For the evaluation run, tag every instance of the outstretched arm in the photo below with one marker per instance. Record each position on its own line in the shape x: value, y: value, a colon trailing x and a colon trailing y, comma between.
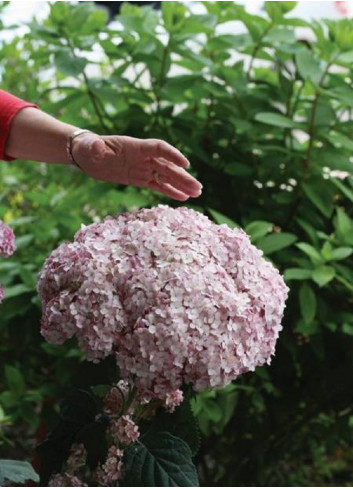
x: 35, y: 135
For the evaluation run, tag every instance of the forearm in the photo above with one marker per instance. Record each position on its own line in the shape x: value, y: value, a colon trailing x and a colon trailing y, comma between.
x: 37, y: 136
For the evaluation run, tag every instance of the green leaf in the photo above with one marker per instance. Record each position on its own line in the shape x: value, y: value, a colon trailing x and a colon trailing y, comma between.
x: 340, y: 139
x: 308, y: 66
x: 15, y: 380
x: 181, y: 423
x: 311, y: 252
x: 343, y: 188
x: 16, y: 471
x: 297, y: 274
x: 238, y: 169
x: 16, y: 290
x: 159, y: 460
x: 221, y: 218
x: 258, y: 229
x: 307, y: 328
x: 343, y: 226
x: 323, y: 275
x: 347, y: 329
x: 275, y: 119
x: 319, y: 196
x: 341, y: 253
x: 173, y: 14
x: 276, y: 10
x: 346, y: 57
x: 307, y: 302
x: 275, y: 242
x: 69, y: 64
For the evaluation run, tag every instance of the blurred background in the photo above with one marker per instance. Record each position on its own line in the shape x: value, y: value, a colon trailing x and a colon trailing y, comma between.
x: 259, y: 96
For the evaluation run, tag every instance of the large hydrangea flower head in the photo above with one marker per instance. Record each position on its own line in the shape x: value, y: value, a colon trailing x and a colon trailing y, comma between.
x: 177, y: 298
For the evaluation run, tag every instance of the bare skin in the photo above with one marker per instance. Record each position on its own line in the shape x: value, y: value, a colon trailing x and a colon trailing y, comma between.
x: 37, y: 136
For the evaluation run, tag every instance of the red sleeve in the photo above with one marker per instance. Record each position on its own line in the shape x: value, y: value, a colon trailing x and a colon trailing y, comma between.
x: 9, y: 106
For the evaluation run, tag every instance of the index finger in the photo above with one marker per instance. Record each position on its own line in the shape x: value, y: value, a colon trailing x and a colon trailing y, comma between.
x: 157, y: 148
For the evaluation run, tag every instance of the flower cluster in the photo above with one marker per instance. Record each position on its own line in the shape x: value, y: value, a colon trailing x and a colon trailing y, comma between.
x: 177, y: 298
x: 7, y: 241
x: 113, y: 468
x: 124, y: 430
x: 66, y: 480
x: 7, y: 246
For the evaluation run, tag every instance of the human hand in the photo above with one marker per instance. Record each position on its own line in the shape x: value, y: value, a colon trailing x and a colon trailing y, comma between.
x: 132, y: 161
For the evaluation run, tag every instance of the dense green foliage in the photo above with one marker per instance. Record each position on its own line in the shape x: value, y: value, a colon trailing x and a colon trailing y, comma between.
x: 264, y: 118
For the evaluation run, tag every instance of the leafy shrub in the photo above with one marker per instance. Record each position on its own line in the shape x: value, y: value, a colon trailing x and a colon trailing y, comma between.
x: 266, y: 121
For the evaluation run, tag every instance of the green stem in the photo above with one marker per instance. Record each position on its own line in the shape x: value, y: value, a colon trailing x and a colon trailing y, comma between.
x: 90, y: 93
x: 256, y: 48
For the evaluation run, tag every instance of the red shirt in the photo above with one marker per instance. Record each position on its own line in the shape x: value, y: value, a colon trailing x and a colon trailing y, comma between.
x: 9, y: 106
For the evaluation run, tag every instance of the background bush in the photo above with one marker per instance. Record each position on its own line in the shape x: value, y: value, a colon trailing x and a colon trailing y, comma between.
x: 264, y: 119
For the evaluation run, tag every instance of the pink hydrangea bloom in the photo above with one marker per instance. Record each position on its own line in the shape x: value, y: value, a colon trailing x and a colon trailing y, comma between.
x: 124, y: 430
x: 65, y: 480
x: 173, y: 400
x: 113, y: 468
x: 7, y: 246
x: 177, y: 298
x: 7, y: 241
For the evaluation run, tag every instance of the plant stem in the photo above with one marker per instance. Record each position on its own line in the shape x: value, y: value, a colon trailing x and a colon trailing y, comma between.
x: 256, y: 48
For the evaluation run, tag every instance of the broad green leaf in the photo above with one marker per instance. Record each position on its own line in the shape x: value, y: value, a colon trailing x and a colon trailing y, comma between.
x: 258, y: 229
x: 221, y: 218
x: 307, y: 302
x: 320, y: 197
x: 341, y: 253
x: 16, y: 471
x: 181, y: 423
x: 343, y: 188
x: 159, y: 460
x: 297, y: 274
x: 346, y: 57
x: 16, y: 290
x: 276, y: 10
x: 311, y: 252
x: 308, y: 66
x: 24, y: 240
x: 173, y: 14
x: 15, y: 380
x: 69, y: 64
x: 307, y: 329
x: 347, y: 329
x: 275, y: 242
x: 238, y: 169
x: 275, y: 119
x: 323, y: 275
x: 341, y: 140
x: 326, y: 250
x: 343, y: 226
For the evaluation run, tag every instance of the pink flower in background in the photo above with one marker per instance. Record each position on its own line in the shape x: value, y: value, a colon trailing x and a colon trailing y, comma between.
x: 7, y: 241
x: 113, y: 468
x: 177, y: 298
x: 65, y: 480
x: 7, y: 246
